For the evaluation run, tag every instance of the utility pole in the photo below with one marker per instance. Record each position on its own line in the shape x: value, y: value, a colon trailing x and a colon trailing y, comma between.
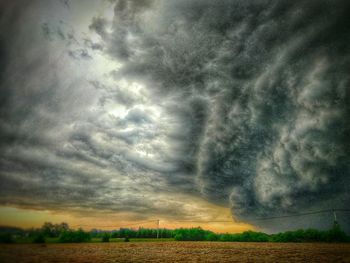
x: 157, y: 228
x: 335, y: 216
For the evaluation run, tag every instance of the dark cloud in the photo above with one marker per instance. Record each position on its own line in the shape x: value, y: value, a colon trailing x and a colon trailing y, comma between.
x: 245, y: 103
x: 275, y: 78
x: 98, y: 25
x: 65, y: 3
x: 79, y: 54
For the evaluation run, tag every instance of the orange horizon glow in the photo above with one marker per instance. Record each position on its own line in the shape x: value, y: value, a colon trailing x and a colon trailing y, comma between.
x: 29, y: 218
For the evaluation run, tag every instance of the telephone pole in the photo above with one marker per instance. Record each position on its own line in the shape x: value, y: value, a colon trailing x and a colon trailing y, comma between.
x: 157, y: 228
x: 335, y: 216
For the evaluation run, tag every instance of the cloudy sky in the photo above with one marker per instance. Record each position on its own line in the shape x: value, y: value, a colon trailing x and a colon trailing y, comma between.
x: 120, y: 111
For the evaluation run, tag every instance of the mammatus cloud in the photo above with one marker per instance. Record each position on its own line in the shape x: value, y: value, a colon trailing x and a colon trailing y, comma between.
x: 245, y: 103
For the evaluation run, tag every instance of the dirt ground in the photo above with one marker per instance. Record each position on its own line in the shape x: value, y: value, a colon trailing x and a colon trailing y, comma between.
x: 175, y: 252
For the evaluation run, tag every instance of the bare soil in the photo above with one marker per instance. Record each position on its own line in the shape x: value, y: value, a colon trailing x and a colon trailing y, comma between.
x: 175, y: 252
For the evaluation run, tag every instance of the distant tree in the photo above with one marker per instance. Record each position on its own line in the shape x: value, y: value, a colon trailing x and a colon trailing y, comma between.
x: 6, y: 238
x: 39, y: 239
x: 53, y: 230
x: 48, y: 229
x: 115, y: 234
x: 105, y: 237
x: 212, y: 237
x: 59, y: 228
x: 71, y: 236
x: 94, y: 232
x: 191, y: 234
x: 336, y: 234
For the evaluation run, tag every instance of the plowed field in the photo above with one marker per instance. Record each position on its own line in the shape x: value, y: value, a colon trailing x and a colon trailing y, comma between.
x: 175, y: 252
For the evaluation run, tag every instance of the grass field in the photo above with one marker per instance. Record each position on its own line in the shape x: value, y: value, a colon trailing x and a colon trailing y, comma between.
x: 175, y: 252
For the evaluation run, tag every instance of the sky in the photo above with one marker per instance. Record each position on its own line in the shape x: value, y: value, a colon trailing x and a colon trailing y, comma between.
x: 194, y: 112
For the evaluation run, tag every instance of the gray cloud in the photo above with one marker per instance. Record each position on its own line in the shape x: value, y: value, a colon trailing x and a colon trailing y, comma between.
x: 275, y: 78
x: 99, y: 25
x: 245, y: 103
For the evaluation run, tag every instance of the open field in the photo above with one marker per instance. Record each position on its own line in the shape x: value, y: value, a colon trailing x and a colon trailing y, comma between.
x: 176, y: 252
x: 55, y: 240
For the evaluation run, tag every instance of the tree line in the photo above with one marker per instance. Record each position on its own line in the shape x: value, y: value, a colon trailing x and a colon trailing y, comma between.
x: 64, y: 234
x: 335, y: 234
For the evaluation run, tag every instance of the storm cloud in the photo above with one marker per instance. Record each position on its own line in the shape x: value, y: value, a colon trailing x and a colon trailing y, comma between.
x: 243, y: 103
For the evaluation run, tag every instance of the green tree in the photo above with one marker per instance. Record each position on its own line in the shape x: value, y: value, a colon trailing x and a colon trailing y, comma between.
x: 77, y: 236
x: 191, y: 234
x: 105, y: 237
x: 39, y: 239
x: 6, y: 238
x: 336, y: 234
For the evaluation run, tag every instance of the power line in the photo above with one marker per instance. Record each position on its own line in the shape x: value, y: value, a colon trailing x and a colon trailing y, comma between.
x: 302, y: 214
x: 273, y: 217
x: 342, y: 210
x: 225, y: 221
x: 294, y: 215
x: 138, y: 223
x: 201, y: 221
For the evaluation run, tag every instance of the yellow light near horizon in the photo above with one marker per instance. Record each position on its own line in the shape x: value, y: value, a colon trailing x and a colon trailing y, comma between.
x: 27, y: 218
